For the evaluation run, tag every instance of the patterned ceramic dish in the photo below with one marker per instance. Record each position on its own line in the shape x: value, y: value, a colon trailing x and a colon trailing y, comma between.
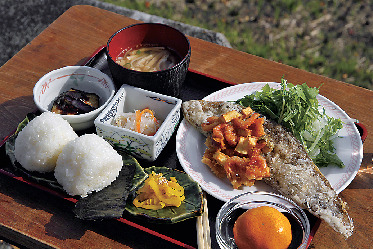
x: 129, y: 99
x: 83, y: 78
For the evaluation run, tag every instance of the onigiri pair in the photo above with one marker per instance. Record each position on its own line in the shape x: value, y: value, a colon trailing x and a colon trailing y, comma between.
x: 81, y: 165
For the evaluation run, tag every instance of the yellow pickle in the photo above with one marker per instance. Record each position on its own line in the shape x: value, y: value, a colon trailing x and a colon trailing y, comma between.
x: 158, y: 192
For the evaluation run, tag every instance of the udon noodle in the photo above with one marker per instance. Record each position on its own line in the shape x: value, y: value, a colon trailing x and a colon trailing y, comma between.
x: 148, y: 59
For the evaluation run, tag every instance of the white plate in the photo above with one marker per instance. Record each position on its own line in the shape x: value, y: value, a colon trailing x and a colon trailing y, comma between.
x: 190, y: 147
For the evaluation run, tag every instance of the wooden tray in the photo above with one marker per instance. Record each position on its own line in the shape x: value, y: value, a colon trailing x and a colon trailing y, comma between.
x: 165, y: 235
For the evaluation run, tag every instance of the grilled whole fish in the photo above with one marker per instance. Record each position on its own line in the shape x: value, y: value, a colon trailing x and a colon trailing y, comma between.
x: 293, y: 172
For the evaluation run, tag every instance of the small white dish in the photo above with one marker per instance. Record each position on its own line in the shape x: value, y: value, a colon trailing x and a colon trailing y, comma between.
x: 83, y: 78
x: 129, y: 99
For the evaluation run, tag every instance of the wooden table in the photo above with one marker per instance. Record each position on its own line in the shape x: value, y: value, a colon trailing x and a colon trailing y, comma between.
x: 31, y: 218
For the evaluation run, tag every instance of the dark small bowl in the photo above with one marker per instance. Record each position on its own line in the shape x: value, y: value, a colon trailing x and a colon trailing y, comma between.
x: 168, y: 81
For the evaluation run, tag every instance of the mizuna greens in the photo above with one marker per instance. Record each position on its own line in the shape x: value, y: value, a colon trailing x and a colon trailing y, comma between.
x: 296, y: 108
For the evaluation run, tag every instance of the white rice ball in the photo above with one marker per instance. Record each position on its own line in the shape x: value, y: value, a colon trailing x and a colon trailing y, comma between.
x: 38, y: 145
x: 87, y: 164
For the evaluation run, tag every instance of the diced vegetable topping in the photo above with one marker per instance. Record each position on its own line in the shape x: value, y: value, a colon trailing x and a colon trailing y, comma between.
x: 235, y: 147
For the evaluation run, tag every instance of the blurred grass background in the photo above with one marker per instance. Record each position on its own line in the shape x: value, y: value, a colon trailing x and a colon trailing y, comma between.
x: 330, y: 38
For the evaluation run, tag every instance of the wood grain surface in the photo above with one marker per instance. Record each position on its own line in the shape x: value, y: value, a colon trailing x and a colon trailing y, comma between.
x: 38, y: 220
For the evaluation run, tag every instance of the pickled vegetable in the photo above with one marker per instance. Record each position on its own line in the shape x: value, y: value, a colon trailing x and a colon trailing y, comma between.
x: 141, y: 121
x: 158, y: 192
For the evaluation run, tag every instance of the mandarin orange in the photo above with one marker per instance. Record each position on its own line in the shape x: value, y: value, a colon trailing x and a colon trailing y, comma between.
x: 262, y: 227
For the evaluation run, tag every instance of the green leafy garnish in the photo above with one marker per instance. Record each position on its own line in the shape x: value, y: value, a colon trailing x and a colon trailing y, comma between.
x: 296, y: 108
